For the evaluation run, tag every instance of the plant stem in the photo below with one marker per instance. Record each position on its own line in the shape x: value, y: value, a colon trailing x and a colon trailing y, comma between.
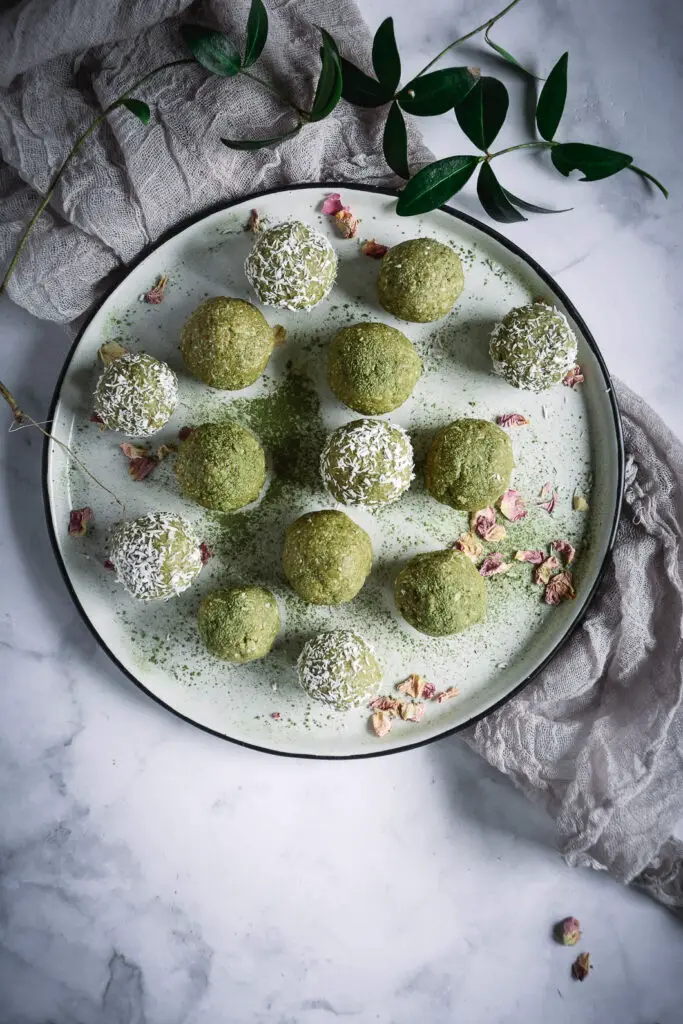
x: 70, y: 155
x: 521, y: 145
x: 24, y: 418
x: 275, y: 92
x: 481, y: 28
x: 650, y: 177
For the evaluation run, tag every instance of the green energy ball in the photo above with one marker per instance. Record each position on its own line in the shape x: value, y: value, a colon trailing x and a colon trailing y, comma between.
x: 440, y: 593
x: 420, y: 280
x: 326, y: 557
x: 227, y: 343
x: 367, y: 462
x: 221, y: 466
x: 136, y: 394
x: 469, y: 464
x: 239, y: 623
x: 533, y: 347
x: 340, y: 669
x: 372, y: 368
x: 291, y: 265
x: 156, y: 556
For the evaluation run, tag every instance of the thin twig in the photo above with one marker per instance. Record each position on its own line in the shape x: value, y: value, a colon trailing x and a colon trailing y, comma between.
x: 486, y: 25
x: 522, y: 145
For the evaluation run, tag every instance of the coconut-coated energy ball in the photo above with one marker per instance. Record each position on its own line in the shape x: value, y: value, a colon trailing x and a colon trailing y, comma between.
x: 533, y: 347
x: 326, y: 557
x: 367, y: 462
x: 156, y: 556
x: 420, y: 280
x: 239, y: 624
x: 226, y: 343
x: 372, y: 368
x: 136, y: 394
x: 440, y: 593
x: 291, y: 265
x: 469, y: 464
x: 340, y: 669
x: 221, y: 466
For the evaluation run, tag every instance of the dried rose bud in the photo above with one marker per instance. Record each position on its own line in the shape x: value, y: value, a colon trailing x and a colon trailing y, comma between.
x: 581, y: 966
x: 254, y: 222
x: 574, y: 377
x: 347, y: 224
x: 206, y: 552
x: 78, y: 521
x: 156, y: 294
x: 375, y: 250
x: 568, y: 932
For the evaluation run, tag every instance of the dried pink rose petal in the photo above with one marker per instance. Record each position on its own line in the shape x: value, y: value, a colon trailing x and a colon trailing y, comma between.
x: 279, y: 335
x: 156, y: 294
x: 184, y: 433
x: 346, y: 223
x: 381, y: 723
x: 411, y: 711
x: 134, y: 451
x: 493, y: 565
x: 452, y: 691
x: 140, y: 462
x: 545, y: 570
x: 164, y: 450
x: 108, y: 564
x: 110, y: 351
x: 568, y: 932
x: 581, y: 966
x: 574, y: 377
x: 548, y: 497
x: 254, y: 222
x: 535, y: 557
x: 512, y: 506
x: 94, y: 418
x: 468, y: 544
x: 332, y: 204
x: 483, y: 523
x: 375, y: 250
x: 560, y: 588
x: 565, y: 550
x: 417, y: 687
x: 78, y: 521
x: 206, y: 552
x: 385, y: 703
x: 546, y: 490
x: 512, y: 419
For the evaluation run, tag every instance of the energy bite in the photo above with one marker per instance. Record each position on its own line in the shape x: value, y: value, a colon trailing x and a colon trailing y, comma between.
x: 469, y: 464
x: 440, y: 593
x: 420, y: 280
x: 367, y: 462
x: 136, y: 394
x: 340, y: 669
x: 239, y: 624
x: 533, y: 347
x: 156, y: 556
x: 372, y: 368
x: 226, y: 343
x: 221, y: 466
x: 326, y: 557
x: 291, y: 265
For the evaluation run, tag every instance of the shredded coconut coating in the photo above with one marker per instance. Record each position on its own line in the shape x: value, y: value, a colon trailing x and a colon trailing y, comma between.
x: 136, y: 394
x: 340, y: 669
x: 156, y: 556
x: 367, y: 462
x: 533, y: 347
x: 291, y: 265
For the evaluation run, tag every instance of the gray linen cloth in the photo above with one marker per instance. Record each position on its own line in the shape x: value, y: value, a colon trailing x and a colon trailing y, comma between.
x: 598, y: 737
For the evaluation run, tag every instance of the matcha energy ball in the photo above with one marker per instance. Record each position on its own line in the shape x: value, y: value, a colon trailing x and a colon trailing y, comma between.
x: 372, y: 368
x: 136, y: 394
x: 326, y: 557
x: 340, y: 669
x: 440, y: 593
x: 420, y: 280
x: 367, y: 462
x: 533, y: 347
x: 239, y: 623
x: 291, y: 265
x: 226, y: 343
x: 221, y: 466
x: 469, y: 464
x: 156, y: 556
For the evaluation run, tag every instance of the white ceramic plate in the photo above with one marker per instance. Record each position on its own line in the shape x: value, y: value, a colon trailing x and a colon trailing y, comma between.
x: 574, y: 441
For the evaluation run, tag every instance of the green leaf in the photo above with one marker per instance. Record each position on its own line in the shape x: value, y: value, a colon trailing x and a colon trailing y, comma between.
x: 506, y: 56
x: 213, y: 50
x: 482, y: 112
x: 385, y: 58
x: 257, y: 33
x: 435, y: 184
x: 594, y: 161
x: 651, y: 178
x: 437, y: 92
x: 492, y: 197
x: 550, y: 106
x: 395, y: 142
x: 329, y: 88
x: 361, y: 90
x: 247, y: 144
x: 137, y: 107
x: 524, y: 205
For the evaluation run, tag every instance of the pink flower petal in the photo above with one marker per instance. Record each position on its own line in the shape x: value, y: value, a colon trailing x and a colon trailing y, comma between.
x: 276, y: 715
x: 512, y: 419
x: 206, y: 552
x: 574, y: 377
x: 385, y: 703
x: 332, y: 204
x: 346, y: 223
x: 512, y: 506
x: 156, y: 294
x: 546, y: 490
x: 411, y: 711
x: 254, y: 222
x: 108, y: 564
x: 78, y: 521
x: 134, y: 451
x: 545, y: 570
x: 560, y: 588
x: 452, y: 691
x: 483, y: 521
x: 417, y: 687
x: 548, y: 497
x: 493, y: 565
x: 140, y: 469
x: 375, y: 250
x: 565, y: 550
x: 381, y: 723
x: 468, y: 545
x: 535, y: 557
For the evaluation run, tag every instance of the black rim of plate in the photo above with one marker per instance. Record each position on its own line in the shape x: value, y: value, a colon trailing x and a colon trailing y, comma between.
x: 516, y: 251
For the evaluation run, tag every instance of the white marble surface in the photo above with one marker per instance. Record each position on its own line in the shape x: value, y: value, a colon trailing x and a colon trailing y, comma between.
x: 151, y: 874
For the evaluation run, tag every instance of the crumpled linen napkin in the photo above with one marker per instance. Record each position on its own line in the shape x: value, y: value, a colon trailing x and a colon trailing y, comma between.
x: 597, y: 738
